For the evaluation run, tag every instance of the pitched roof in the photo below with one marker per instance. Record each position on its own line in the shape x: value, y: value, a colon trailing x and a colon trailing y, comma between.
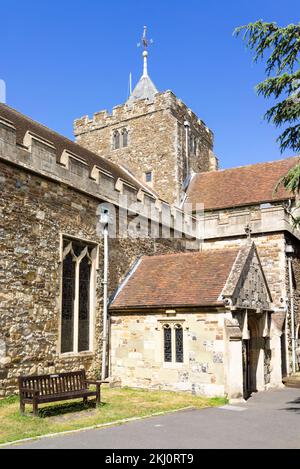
x: 177, y: 280
x: 23, y: 124
x: 245, y: 185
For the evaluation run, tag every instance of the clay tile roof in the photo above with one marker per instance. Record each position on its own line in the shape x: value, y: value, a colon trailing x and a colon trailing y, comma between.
x: 246, y: 185
x: 177, y: 280
x: 23, y: 124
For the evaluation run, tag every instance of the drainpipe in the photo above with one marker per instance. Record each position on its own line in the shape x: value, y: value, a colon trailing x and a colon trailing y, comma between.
x: 105, y: 223
x: 290, y: 251
x: 187, y: 129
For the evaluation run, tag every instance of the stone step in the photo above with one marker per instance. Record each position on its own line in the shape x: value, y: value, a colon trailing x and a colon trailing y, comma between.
x: 292, y: 381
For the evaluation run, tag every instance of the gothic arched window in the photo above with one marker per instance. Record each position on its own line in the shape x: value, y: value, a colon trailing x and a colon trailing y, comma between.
x: 124, y: 137
x: 116, y: 140
x: 173, y: 343
x: 84, y: 304
x: 179, y: 343
x: 78, y: 270
x: 167, y: 343
x: 68, y: 298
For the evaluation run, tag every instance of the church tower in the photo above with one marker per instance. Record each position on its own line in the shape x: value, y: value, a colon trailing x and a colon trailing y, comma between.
x: 154, y: 135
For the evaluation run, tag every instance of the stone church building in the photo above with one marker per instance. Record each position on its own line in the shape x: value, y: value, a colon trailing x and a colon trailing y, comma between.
x: 216, y: 314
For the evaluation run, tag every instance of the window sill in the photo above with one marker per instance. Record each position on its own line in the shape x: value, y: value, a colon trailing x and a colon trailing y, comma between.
x: 173, y: 365
x: 121, y: 148
x: 72, y: 355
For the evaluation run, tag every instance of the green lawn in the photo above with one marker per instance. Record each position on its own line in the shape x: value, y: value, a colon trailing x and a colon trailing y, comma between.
x: 117, y: 404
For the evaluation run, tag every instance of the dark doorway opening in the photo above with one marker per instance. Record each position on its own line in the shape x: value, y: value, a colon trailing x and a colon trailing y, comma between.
x: 283, y: 352
x: 251, y: 351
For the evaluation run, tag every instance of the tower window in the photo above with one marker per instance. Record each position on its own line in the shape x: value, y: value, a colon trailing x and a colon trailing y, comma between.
x: 193, y: 144
x: 148, y: 176
x: 120, y: 139
x: 116, y: 140
x: 125, y: 137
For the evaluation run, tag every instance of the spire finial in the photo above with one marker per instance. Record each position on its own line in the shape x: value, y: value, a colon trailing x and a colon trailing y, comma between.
x: 145, y: 42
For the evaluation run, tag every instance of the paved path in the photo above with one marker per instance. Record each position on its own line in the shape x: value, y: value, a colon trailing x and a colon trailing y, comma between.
x: 268, y: 420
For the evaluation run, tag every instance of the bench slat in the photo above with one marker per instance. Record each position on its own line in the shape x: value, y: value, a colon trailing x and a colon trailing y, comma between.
x: 58, y: 387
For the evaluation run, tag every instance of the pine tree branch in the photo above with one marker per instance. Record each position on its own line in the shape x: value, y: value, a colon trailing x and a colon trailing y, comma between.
x: 290, y: 138
x: 275, y: 86
x: 285, y: 42
x: 286, y: 111
x: 291, y: 181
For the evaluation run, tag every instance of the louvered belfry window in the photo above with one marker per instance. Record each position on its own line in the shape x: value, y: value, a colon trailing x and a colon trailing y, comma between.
x: 77, y: 282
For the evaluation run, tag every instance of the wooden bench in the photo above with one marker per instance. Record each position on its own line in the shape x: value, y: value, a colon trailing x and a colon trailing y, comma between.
x: 42, y: 389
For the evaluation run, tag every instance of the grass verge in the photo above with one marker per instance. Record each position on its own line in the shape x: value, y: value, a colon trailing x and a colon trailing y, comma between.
x: 117, y: 404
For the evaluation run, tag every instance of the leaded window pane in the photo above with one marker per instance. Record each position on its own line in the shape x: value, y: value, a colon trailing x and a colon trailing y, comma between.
x: 84, y: 305
x: 179, y: 344
x: 167, y: 344
x: 68, y: 296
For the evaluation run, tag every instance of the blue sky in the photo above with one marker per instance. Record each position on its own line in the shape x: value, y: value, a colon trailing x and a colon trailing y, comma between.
x: 65, y: 59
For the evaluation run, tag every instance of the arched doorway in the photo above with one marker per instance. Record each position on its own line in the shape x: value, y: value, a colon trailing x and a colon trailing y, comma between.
x: 251, y: 357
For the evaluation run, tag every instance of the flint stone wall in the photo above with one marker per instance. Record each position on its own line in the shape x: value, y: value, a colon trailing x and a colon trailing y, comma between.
x: 34, y: 212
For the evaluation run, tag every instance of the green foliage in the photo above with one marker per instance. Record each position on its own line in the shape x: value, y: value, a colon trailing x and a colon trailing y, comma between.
x: 291, y: 181
x: 282, y: 45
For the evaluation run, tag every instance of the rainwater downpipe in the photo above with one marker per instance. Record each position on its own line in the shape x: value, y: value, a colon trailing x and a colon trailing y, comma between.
x: 187, y: 130
x: 104, y: 219
x: 289, y: 251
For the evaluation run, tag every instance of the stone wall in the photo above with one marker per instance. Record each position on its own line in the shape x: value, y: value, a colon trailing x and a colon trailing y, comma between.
x: 272, y: 230
x: 156, y: 141
x: 34, y: 212
x: 271, y: 250
x: 296, y: 297
x: 137, y: 357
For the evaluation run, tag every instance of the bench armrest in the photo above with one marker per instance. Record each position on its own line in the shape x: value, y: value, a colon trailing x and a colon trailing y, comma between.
x: 34, y: 392
x: 95, y: 382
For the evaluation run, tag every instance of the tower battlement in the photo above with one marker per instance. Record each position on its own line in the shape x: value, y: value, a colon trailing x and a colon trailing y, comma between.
x: 124, y: 112
x: 154, y: 135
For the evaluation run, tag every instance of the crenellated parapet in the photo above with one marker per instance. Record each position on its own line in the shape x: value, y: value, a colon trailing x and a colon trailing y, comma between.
x: 123, y: 113
x: 163, y: 136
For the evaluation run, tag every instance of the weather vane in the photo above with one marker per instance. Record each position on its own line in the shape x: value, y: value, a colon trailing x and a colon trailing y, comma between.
x: 145, y: 41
